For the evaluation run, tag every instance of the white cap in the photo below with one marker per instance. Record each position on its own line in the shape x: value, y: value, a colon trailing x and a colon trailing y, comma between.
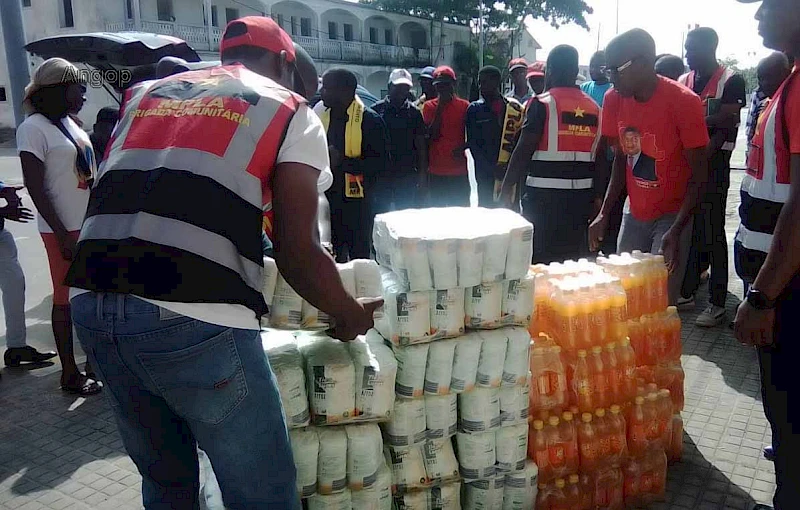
x: 401, y: 77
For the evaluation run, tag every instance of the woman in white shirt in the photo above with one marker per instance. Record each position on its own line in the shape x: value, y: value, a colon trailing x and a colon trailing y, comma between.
x: 58, y: 165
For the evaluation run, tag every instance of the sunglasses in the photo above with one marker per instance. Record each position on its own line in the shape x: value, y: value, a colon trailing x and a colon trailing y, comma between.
x: 611, y: 71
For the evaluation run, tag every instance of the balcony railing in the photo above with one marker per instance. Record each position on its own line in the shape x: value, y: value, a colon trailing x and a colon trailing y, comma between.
x: 195, y: 36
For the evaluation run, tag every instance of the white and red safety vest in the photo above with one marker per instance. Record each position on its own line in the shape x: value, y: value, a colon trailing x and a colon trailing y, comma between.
x: 572, y: 126
x: 715, y: 86
x: 765, y: 187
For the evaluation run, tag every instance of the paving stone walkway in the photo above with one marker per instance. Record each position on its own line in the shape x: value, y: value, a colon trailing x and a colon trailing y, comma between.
x: 58, y: 452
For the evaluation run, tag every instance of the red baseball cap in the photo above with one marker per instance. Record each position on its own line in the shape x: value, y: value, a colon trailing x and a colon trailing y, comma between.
x: 258, y: 31
x: 516, y: 63
x: 444, y: 73
x: 536, y: 69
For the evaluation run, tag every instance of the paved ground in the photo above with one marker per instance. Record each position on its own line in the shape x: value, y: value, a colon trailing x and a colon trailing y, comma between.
x: 58, y: 452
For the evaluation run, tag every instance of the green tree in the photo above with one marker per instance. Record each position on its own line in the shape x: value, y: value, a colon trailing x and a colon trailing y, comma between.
x: 750, y: 74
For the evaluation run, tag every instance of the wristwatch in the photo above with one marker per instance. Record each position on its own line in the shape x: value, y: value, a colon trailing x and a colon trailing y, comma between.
x: 758, y: 300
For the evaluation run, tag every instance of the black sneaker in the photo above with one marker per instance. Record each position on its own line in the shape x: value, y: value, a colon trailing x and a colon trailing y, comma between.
x: 15, y: 356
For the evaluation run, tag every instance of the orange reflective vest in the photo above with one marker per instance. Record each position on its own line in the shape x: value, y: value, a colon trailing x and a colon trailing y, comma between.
x: 715, y: 86
x: 572, y: 126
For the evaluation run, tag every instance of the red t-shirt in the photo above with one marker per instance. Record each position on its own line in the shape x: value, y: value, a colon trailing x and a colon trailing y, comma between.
x: 452, y: 135
x: 653, y: 137
x: 791, y: 112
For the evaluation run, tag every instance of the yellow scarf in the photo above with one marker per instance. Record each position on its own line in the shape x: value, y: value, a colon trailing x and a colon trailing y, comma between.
x: 352, y: 131
x: 512, y: 122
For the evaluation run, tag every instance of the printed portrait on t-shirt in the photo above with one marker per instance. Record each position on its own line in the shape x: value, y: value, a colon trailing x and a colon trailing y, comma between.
x: 640, y: 164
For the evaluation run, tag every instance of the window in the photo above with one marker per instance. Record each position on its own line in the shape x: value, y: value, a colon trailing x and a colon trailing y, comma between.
x: 305, y: 27
x: 348, y: 32
x: 293, y: 21
x: 66, y: 14
x: 3, y: 97
x: 388, y: 37
x: 373, y: 35
x: 214, y: 16
x: 25, y: 3
x: 165, y: 10
x: 333, y: 33
x: 231, y: 14
x: 129, y: 9
x: 279, y: 21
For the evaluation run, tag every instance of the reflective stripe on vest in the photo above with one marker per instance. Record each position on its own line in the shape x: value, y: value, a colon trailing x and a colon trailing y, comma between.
x: 715, y: 86
x: 213, y: 134
x: 572, y: 126
x: 765, y: 187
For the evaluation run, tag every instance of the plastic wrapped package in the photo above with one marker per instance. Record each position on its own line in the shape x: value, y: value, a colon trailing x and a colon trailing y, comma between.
x: 517, y: 307
x: 305, y: 450
x: 419, y: 500
x: 408, y: 467
x: 470, y: 261
x: 332, y: 460
x: 477, y: 455
x: 493, y: 358
x: 339, y: 501
x: 364, y: 459
x: 485, y: 494
x: 439, y: 367
x: 379, y: 496
x: 367, y: 278
x: 407, y: 315
x: 483, y: 306
x: 331, y: 380
x: 443, y: 257
x: 406, y: 427
x: 411, y: 363
x: 347, y: 273
x: 479, y: 410
x: 447, y: 313
x: 466, y: 358
x: 446, y: 497
x: 270, y: 279
x: 314, y: 318
x: 441, y: 465
x: 521, y: 488
x: 520, y: 247
x: 441, y: 415
x: 375, y: 375
x: 512, y: 448
x: 515, y: 403
x: 287, y: 365
x: 417, y: 269
x: 494, y: 258
x: 286, y: 311
x: 518, y: 354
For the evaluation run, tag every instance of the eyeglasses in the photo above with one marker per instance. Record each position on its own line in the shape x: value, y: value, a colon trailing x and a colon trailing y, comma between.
x: 616, y: 71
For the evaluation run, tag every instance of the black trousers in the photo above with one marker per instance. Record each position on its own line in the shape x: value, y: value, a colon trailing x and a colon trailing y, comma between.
x: 351, y: 228
x: 560, y: 222
x: 709, y: 247
x: 779, y: 392
x: 448, y: 191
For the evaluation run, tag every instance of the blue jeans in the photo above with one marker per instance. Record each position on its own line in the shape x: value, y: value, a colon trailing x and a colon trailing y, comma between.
x: 176, y: 383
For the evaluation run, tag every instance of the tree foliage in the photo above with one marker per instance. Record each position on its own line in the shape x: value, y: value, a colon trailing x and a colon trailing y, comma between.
x: 750, y: 74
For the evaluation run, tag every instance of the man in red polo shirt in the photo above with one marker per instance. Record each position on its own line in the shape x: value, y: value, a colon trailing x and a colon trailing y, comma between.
x: 445, y: 116
x: 659, y: 131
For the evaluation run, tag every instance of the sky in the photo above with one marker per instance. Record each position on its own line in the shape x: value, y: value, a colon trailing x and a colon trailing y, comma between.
x: 666, y: 20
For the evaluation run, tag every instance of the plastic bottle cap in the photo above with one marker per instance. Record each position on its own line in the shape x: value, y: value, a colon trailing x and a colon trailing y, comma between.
x: 538, y: 424
x: 586, y: 417
x: 600, y: 412
x: 597, y: 349
x: 560, y: 483
x: 664, y: 393
x: 639, y: 401
x: 611, y: 346
x: 573, y: 479
x: 553, y: 420
x: 672, y: 309
x: 615, y: 409
x: 582, y: 354
x: 651, y: 397
x: 567, y: 416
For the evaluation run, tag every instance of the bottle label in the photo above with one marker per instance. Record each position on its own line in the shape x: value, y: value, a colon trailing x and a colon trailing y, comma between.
x: 605, y: 446
x: 647, y: 482
x: 617, y: 443
x: 584, y: 387
x: 638, y: 434
x: 557, y: 455
x: 588, y: 451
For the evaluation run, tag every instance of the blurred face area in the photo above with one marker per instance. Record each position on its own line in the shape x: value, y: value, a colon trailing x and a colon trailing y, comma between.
x: 631, y: 143
x: 398, y: 93
x: 444, y: 89
x: 518, y: 77
x: 426, y: 84
x: 779, y: 24
x: 597, y: 69
x: 537, y: 84
x: 698, y: 53
x: 624, y: 69
x: 75, y: 95
x: 334, y: 95
x: 489, y: 85
x: 770, y: 78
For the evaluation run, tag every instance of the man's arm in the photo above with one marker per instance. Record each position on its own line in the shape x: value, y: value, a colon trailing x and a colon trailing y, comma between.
x: 783, y: 259
x: 33, y: 174
x: 435, y: 128
x: 698, y: 161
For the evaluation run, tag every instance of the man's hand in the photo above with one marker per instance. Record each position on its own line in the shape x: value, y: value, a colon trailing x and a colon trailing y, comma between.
x: 754, y: 327
x: 67, y: 245
x: 9, y: 193
x: 670, y: 247
x: 334, y: 155
x: 14, y: 212
x: 358, y: 321
x: 597, y: 231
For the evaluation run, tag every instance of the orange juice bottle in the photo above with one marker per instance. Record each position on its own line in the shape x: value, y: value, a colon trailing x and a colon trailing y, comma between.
x: 558, y: 498
x: 648, y: 478
x: 540, y: 379
x: 603, y: 433
x: 629, y: 283
x: 637, y: 429
x: 599, y: 377
x: 632, y: 488
x: 673, y: 327
x: 569, y: 319
x: 635, y: 336
x: 569, y: 437
x: 651, y: 418
x: 626, y: 359
x: 587, y: 491
x: 601, y: 312
x: 648, y: 342
x: 558, y: 378
x: 538, y: 451
x: 618, y: 310
x: 587, y: 441
x: 664, y: 409
x: 659, y: 475
x: 585, y: 312
x: 616, y: 483
x: 613, y: 374
x: 619, y: 445
x: 584, y: 389
x: 662, y: 277
x: 676, y: 443
x: 543, y: 496
x: 555, y: 447
x: 574, y: 492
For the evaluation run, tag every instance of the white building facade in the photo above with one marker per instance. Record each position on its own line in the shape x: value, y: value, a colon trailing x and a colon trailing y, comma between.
x: 335, y: 33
